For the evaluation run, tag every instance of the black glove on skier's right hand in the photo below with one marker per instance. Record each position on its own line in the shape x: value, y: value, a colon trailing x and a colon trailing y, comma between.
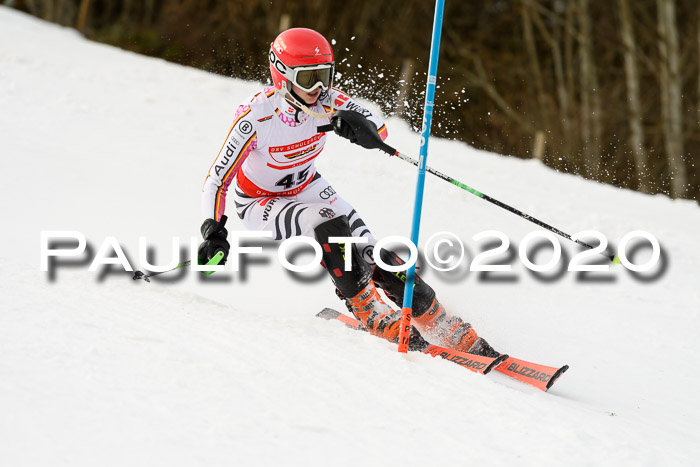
x: 214, y: 235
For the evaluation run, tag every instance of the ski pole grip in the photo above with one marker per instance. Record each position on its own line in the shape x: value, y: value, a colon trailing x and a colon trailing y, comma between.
x: 324, y: 128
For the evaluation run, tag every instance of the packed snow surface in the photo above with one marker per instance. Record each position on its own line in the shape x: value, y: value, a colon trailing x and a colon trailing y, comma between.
x: 97, y: 369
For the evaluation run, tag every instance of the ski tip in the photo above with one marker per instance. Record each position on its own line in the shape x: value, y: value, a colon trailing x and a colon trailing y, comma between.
x: 328, y: 313
x: 556, y: 376
x: 495, y: 363
x: 615, y: 260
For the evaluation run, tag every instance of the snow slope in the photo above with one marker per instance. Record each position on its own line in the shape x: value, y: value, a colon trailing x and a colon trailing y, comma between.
x: 237, y: 370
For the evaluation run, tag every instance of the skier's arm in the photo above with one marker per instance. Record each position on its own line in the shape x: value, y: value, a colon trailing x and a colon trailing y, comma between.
x: 240, y: 142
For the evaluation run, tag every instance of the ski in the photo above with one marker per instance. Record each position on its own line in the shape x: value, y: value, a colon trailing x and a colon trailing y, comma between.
x: 540, y: 376
x: 475, y: 363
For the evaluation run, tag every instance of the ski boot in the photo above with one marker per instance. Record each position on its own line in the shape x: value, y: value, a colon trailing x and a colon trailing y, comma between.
x: 429, y: 316
x: 451, y: 331
x: 376, y: 316
x: 356, y: 287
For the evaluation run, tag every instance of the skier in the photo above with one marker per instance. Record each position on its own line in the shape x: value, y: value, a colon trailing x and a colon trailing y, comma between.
x: 270, y: 153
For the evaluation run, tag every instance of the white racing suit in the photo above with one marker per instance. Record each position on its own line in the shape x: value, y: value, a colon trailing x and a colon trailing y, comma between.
x: 270, y: 151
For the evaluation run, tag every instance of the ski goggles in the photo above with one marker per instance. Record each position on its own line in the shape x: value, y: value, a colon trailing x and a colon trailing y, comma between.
x: 311, y: 77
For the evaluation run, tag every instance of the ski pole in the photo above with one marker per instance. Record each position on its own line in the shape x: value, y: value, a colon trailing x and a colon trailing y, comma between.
x: 216, y: 259
x: 367, y: 137
x: 491, y: 200
x: 141, y: 275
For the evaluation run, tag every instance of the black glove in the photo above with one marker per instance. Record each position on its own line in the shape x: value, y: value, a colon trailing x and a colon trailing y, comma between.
x: 355, y: 127
x: 343, y: 128
x: 214, y: 235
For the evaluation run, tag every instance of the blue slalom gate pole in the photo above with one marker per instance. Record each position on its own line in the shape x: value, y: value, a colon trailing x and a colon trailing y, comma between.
x: 405, y: 329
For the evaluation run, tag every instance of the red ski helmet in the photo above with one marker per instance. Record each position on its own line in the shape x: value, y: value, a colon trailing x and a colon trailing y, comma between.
x: 302, y: 57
